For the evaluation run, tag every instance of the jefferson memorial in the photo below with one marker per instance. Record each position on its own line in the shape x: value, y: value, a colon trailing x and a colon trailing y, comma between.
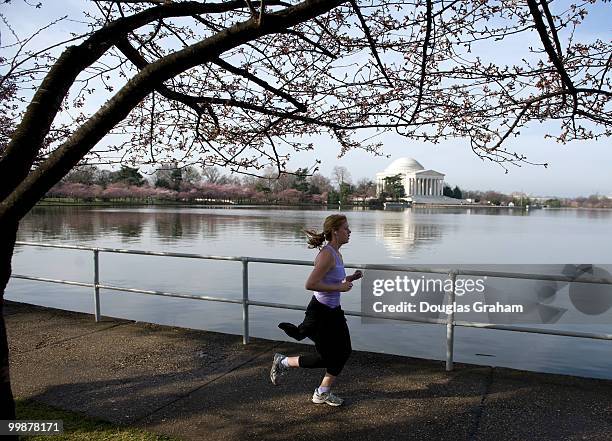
x: 418, y: 183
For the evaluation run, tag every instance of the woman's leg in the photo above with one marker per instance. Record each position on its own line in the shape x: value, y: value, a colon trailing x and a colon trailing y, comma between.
x: 293, y: 361
x: 321, y: 359
x: 282, y: 363
x: 335, y: 349
x: 311, y: 361
x: 327, y: 381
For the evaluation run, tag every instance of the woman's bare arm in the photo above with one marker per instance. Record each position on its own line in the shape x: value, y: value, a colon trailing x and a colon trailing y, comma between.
x: 323, y: 264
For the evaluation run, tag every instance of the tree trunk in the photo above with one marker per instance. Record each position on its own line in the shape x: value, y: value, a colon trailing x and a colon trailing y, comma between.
x: 8, y: 235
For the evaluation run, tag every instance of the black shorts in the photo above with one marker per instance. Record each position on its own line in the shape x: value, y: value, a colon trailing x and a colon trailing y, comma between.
x: 328, y: 329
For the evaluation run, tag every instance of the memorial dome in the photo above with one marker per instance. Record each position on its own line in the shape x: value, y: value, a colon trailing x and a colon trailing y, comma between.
x: 404, y: 166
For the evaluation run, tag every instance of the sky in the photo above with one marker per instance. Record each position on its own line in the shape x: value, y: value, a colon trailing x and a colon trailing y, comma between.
x: 575, y: 169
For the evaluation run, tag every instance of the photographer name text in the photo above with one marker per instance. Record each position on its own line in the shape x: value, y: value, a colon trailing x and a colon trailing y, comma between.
x: 425, y: 307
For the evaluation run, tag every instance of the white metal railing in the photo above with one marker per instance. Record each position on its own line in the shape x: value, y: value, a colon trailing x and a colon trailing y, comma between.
x: 450, y: 322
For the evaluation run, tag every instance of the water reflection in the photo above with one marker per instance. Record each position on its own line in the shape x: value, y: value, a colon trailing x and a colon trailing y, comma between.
x: 74, y: 224
x: 492, y: 211
x: 455, y: 234
x: 592, y: 213
x: 130, y: 230
x: 401, y: 235
x: 171, y: 226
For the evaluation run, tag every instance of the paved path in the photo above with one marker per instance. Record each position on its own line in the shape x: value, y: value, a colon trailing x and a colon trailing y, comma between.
x: 208, y: 386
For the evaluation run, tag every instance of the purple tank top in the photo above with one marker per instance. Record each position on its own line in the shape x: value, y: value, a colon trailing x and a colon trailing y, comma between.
x: 334, y: 276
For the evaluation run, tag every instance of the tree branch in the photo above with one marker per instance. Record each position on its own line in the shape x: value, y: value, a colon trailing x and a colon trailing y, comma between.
x: 548, y: 47
x: 603, y: 76
x: 323, y: 50
x: 191, y: 101
x: 152, y: 124
x: 551, y: 26
x: 251, y: 8
x: 246, y: 74
x: 265, y: 131
x: 262, y: 11
x: 423, y: 61
x: 158, y: 2
x: 594, y: 91
x: 366, y: 31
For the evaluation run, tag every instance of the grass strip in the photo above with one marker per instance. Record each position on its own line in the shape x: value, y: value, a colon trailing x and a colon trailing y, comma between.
x: 81, y: 427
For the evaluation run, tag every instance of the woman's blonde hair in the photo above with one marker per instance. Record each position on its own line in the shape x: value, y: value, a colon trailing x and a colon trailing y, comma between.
x: 332, y: 223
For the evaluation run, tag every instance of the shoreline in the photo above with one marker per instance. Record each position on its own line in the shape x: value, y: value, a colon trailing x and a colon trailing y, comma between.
x: 44, y: 203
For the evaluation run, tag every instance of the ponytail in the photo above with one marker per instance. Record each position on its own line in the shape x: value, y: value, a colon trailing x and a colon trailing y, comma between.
x: 315, y: 240
x: 331, y: 224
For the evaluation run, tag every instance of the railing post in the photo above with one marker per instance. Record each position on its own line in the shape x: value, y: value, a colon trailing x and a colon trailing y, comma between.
x: 96, y: 288
x: 245, y: 301
x: 450, y: 325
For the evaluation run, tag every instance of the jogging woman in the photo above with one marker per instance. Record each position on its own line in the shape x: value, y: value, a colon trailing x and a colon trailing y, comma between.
x: 324, y: 321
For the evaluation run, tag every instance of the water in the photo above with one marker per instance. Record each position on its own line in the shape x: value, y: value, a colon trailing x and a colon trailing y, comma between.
x: 414, y: 236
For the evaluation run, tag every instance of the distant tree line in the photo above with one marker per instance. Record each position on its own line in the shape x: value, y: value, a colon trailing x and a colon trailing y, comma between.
x: 593, y: 201
x: 522, y: 200
x: 488, y: 197
x: 190, y: 184
x: 208, y: 184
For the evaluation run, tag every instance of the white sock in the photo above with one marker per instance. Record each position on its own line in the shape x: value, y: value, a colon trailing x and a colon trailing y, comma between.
x: 285, y: 361
x: 323, y: 389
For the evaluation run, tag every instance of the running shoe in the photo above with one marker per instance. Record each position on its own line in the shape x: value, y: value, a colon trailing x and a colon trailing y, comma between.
x: 326, y: 397
x: 277, y: 369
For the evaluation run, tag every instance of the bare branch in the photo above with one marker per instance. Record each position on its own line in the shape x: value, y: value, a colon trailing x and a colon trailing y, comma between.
x: 366, y: 31
x: 140, y: 62
x: 157, y: 2
x: 548, y: 47
x: 262, y: 11
x: 423, y: 61
x: 246, y: 74
x: 263, y: 130
x: 551, y: 26
x: 594, y: 91
x: 603, y: 75
x: 251, y: 8
x: 323, y: 50
x: 152, y: 125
